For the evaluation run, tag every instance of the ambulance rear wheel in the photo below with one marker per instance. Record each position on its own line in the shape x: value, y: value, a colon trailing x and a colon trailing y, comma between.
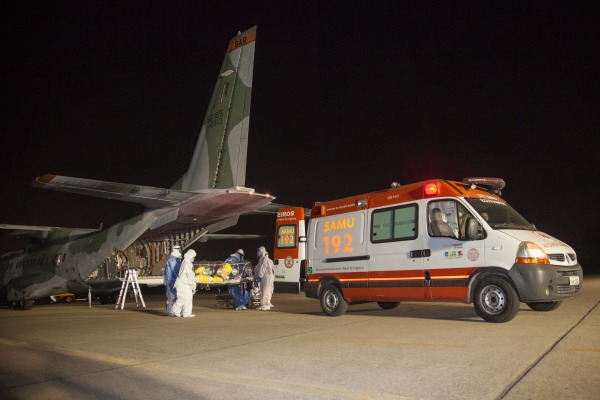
x: 496, y: 300
x: 388, y: 305
x: 553, y: 305
x: 332, y: 301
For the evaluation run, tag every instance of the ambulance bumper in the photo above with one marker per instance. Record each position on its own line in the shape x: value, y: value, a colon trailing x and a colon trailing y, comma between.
x: 542, y: 283
x: 311, y: 290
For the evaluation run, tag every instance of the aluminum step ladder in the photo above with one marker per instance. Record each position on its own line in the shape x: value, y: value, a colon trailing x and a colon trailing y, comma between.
x: 130, y: 279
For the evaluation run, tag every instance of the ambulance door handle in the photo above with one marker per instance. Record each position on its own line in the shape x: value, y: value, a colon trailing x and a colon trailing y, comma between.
x: 419, y: 253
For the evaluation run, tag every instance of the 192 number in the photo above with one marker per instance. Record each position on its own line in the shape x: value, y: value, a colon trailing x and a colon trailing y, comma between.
x: 334, y: 243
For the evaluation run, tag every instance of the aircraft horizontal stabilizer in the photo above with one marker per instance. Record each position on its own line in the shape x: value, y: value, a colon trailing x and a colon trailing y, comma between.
x: 202, y: 207
x: 150, y: 197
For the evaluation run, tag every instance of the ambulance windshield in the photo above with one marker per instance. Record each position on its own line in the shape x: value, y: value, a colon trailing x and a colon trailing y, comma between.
x: 499, y: 215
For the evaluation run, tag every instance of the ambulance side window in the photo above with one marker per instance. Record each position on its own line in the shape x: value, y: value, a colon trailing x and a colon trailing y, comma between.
x: 448, y: 219
x: 443, y: 219
x: 397, y: 223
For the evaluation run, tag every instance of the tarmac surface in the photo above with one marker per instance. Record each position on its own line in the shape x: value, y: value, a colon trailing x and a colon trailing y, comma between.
x: 294, y: 351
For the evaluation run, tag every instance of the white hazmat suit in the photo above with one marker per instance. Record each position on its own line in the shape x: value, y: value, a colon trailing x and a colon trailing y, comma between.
x: 264, y: 273
x: 171, y: 273
x: 185, y: 286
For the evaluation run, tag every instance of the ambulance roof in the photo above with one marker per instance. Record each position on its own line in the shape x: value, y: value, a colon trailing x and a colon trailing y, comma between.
x: 430, y: 188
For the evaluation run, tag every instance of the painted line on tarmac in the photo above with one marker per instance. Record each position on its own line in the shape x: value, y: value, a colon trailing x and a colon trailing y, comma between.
x: 70, y: 352
x: 369, y: 342
x: 587, y: 350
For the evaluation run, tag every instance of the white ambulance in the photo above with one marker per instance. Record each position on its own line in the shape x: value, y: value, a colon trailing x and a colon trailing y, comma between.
x: 436, y: 240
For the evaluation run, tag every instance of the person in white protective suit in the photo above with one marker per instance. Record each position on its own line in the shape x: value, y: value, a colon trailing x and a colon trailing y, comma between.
x: 185, y: 286
x: 264, y: 274
x: 171, y: 273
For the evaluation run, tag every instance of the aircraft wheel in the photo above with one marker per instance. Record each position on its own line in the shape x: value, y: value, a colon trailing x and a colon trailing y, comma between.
x: 539, y: 306
x: 496, y: 300
x: 69, y: 299
x: 388, y: 305
x: 332, y: 301
x: 25, y: 304
x: 106, y: 299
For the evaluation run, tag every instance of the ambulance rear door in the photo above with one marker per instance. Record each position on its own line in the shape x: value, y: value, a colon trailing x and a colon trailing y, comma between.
x: 290, y: 249
x: 338, y: 249
x: 395, y: 253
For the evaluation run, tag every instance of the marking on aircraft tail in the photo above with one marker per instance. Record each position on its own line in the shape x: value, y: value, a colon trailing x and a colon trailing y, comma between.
x: 241, y: 41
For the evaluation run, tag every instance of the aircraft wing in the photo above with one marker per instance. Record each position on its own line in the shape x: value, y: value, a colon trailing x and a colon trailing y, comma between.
x: 150, y: 197
x: 199, y: 207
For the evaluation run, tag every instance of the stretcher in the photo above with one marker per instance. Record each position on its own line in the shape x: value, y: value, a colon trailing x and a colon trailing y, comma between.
x: 220, y: 275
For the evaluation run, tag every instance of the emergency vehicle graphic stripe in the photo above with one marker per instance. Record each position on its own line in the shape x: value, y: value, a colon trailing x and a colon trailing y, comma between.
x: 447, y: 282
x: 454, y: 277
x: 395, y: 283
x: 354, y: 284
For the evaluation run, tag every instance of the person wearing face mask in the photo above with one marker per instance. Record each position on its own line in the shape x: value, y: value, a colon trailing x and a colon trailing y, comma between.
x: 263, y: 271
x: 185, y: 286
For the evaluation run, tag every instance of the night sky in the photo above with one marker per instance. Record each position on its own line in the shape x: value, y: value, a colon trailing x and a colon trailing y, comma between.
x: 347, y: 98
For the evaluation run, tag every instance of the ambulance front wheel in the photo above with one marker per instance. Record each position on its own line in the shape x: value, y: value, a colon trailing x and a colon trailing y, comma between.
x: 496, y: 300
x: 332, y: 301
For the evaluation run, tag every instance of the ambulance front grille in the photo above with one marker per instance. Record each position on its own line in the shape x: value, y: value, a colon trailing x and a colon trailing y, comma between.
x: 557, y: 257
x: 562, y: 257
x: 568, y: 273
x: 566, y: 289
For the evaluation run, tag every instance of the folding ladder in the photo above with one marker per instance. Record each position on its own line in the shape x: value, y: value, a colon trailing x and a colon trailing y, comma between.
x: 130, y: 278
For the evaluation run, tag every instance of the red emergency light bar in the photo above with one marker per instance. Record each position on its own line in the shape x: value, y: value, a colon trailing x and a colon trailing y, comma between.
x: 317, y: 211
x: 431, y: 189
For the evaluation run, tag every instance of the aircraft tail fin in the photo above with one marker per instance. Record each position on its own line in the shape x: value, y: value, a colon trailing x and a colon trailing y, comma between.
x: 219, y: 159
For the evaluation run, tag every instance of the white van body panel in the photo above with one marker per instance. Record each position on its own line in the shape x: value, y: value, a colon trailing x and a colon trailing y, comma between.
x: 548, y: 243
x: 338, y: 240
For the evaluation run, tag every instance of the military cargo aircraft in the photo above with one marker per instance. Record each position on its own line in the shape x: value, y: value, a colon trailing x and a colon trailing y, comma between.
x: 209, y: 197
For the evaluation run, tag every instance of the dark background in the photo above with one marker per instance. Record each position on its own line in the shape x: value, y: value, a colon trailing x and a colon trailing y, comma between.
x: 348, y: 97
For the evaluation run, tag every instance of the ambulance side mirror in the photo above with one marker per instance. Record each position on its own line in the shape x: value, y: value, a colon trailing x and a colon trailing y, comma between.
x: 474, y: 229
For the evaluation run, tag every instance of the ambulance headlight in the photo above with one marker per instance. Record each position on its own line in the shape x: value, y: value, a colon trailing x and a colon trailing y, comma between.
x: 531, y: 253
